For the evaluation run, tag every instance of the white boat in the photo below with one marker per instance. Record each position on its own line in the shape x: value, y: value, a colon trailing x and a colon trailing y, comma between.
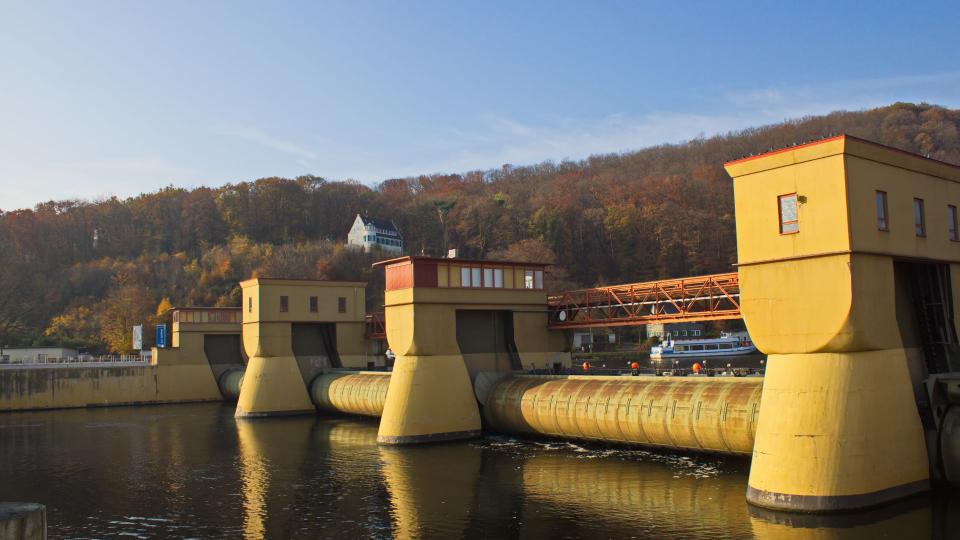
x: 725, y: 345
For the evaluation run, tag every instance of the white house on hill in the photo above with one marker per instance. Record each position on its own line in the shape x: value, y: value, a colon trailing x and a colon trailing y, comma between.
x: 367, y: 232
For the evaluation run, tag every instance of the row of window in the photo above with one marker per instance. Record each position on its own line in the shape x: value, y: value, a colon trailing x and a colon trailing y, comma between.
x: 382, y: 241
x: 789, y: 223
x: 705, y: 347
x: 371, y: 228
x: 206, y: 316
x: 676, y: 333
x: 314, y: 304
x: 919, y: 217
x: 476, y: 276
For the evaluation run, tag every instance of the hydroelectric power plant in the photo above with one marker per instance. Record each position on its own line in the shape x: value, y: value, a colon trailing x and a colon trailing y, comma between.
x: 847, y: 278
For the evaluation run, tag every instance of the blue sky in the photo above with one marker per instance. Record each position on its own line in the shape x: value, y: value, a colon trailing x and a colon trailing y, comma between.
x: 117, y: 98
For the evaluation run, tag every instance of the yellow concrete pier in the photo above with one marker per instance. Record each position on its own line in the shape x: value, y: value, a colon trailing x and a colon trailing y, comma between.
x: 829, y: 235
x: 292, y: 331
x: 448, y: 320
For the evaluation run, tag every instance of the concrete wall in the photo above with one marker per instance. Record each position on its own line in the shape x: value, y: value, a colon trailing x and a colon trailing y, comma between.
x: 181, y: 374
x: 65, y: 387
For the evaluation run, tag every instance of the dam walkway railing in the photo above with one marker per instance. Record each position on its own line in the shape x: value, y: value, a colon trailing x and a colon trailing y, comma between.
x: 123, y: 360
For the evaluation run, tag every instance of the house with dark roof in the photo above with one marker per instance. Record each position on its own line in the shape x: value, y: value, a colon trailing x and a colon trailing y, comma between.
x: 368, y: 232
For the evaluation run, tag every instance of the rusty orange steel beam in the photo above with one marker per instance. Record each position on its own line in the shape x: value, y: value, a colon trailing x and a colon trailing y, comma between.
x: 702, y: 298
x: 376, y: 326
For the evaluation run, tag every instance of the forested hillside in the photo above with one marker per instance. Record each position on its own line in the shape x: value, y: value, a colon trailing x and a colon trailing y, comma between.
x: 82, y: 272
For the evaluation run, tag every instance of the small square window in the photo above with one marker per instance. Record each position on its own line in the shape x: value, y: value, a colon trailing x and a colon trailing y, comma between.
x: 789, y: 222
x: 919, y: 219
x: 341, y: 305
x: 284, y: 304
x: 882, y: 223
x: 314, y: 304
x: 952, y: 223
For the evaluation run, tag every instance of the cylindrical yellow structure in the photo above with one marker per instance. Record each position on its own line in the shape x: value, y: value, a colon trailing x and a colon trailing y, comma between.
x: 230, y: 382
x: 705, y: 414
x: 361, y: 393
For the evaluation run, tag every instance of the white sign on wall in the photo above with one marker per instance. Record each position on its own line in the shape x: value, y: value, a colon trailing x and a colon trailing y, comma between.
x: 138, y: 337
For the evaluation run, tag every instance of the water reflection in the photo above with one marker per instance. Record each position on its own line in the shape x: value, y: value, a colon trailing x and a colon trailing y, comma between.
x: 195, y: 471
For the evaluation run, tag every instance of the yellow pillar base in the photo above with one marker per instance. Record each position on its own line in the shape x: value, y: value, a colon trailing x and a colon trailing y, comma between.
x: 837, y: 431
x: 430, y: 398
x: 273, y: 386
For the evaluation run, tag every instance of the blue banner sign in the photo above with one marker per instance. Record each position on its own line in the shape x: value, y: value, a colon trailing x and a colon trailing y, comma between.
x: 161, y: 336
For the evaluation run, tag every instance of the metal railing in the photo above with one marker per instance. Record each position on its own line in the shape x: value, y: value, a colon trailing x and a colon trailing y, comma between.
x: 115, y: 359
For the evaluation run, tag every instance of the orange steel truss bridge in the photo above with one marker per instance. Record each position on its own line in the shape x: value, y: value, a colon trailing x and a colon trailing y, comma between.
x: 376, y: 326
x: 704, y: 298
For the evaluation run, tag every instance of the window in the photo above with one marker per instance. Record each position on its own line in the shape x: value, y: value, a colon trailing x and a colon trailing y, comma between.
x: 528, y: 279
x: 475, y: 276
x: 465, y: 276
x: 342, y: 304
x: 284, y: 304
x: 498, y: 278
x: 488, y: 277
x: 918, y: 218
x: 882, y: 223
x: 249, y: 304
x: 788, y: 214
x: 538, y: 279
x: 314, y: 304
x: 952, y: 222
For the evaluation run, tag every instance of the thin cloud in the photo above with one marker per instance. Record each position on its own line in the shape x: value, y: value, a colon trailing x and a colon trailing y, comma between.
x: 258, y: 137
x: 498, y: 139
x: 143, y: 165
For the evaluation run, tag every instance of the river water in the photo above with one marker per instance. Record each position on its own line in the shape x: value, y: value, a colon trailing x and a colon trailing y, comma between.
x: 193, y: 471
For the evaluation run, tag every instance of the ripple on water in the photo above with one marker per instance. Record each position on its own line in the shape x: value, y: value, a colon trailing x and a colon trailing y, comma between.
x: 695, y: 465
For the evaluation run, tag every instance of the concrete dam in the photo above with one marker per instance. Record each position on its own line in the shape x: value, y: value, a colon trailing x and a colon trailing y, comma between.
x: 843, y: 280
